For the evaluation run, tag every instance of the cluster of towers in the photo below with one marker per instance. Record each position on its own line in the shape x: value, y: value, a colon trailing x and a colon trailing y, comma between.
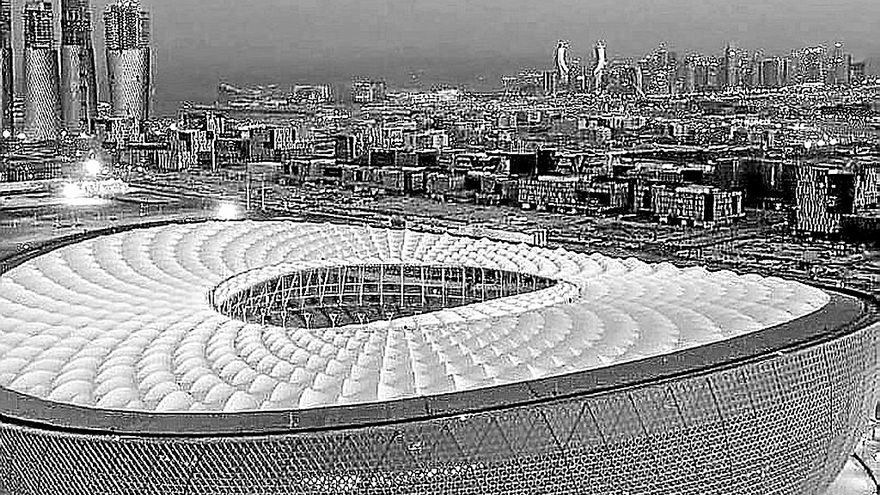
x: 662, y: 71
x: 571, y: 75
x: 739, y: 68
x: 60, y: 87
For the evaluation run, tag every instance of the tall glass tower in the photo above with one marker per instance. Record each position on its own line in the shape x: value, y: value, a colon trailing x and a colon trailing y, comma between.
x: 42, y: 104
x: 6, y: 68
x: 79, y: 93
x: 601, y: 64
x: 127, y: 38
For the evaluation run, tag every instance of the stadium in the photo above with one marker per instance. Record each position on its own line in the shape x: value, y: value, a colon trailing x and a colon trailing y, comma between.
x: 280, y: 357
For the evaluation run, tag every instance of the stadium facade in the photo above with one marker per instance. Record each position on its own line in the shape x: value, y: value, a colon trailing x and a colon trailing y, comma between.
x: 273, y: 358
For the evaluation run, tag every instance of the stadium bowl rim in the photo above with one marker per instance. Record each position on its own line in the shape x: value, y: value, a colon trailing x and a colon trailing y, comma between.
x: 848, y: 312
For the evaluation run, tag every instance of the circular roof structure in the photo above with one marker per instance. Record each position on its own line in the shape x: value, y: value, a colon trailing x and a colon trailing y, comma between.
x: 129, y: 322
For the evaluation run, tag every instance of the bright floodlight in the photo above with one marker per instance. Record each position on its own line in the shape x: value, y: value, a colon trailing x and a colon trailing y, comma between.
x: 227, y: 211
x: 71, y: 191
x: 92, y: 167
x: 7, y: 134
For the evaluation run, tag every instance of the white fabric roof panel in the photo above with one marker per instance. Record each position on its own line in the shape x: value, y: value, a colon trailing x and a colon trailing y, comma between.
x: 123, y: 321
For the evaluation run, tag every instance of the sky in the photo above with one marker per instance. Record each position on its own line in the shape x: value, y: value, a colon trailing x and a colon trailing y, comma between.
x: 199, y: 42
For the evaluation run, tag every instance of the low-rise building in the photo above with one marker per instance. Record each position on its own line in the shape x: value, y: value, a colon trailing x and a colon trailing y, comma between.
x: 701, y: 206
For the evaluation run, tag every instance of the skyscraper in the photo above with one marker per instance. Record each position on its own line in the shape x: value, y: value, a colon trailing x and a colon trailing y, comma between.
x: 639, y: 83
x: 562, y: 64
x: 578, y: 76
x: 732, y: 66
x: 365, y: 91
x: 601, y: 64
x: 690, y: 75
x: 548, y: 82
x: 127, y: 38
x: 657, y: 71
x: 756, y: 70
x: 771, y: 72
x: 6, y: 71
x: 79, y: 94
x: 811, y: 64
x: 42, y: 119
x: 840, y: 63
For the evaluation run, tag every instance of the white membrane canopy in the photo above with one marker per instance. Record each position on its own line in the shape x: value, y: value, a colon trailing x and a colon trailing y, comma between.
x: 124, y: 322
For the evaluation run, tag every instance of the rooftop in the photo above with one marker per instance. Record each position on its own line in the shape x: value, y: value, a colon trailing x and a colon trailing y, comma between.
x: 123, y: 322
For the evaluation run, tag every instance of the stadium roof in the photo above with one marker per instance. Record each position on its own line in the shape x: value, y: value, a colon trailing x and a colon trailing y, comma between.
x: 123, y: 322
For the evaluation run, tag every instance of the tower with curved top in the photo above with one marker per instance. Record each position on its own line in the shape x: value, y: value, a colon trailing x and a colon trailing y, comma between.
x: 562, y: 64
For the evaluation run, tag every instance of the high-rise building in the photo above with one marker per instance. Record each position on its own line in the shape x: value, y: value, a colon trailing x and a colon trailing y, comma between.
x: 690, y: 76
x: 548, y: 82
x: 622, y: 77
x: 639, y: 80
x: 578, y: 79
x: 42, y: 121
x: 786, y: 71
x: 7, y: 124
x: 811, y: 65
x: 771, y: 72
x: 365, y: 91
x: 129, y: 60
x: 755, y: 70
x: 658, y: 69
x: 700, y: 73
x: 562, y: 64
x: 79, y: 92
x: 601, y: 65
x: 732, y: 66
x: 840, y: 65
x: 857, y: 72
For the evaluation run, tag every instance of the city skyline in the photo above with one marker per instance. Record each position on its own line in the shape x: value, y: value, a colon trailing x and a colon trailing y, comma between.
x: 274, y: 41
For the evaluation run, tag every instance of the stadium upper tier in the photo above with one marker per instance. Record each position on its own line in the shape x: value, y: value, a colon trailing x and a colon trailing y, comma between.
x: 130, y: 321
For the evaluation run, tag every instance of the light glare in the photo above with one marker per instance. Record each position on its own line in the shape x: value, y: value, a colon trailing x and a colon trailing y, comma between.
x: 227, y: 211
x: 71, y: 191
x: 92, y: 167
